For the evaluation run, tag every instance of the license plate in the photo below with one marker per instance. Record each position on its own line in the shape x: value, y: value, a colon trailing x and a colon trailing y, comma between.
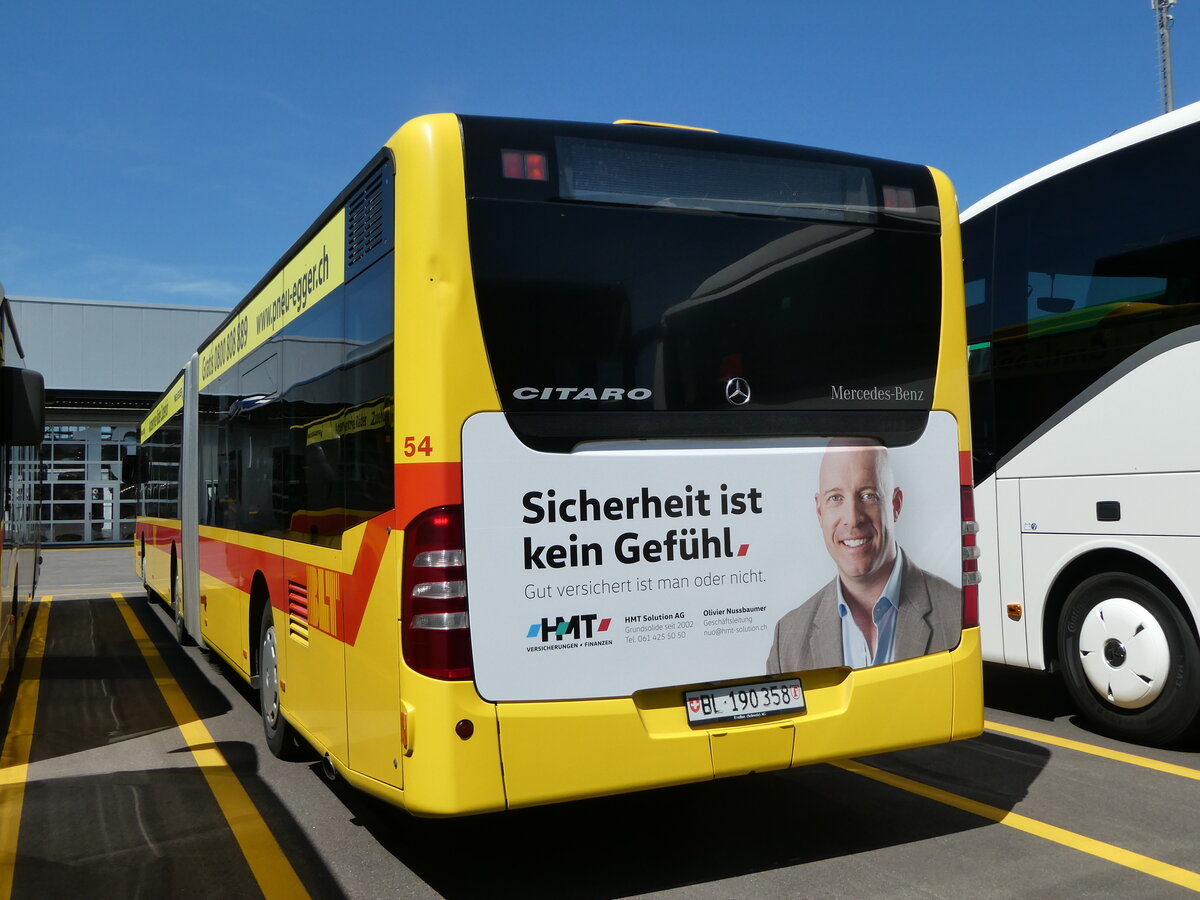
x: 744, y: 701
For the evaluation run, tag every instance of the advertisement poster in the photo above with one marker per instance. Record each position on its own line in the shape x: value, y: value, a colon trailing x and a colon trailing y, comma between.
x: 606, y: 571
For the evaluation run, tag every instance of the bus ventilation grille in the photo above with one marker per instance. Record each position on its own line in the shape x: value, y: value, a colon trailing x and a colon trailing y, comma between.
x: 368, y: 230
x: 298, y: 610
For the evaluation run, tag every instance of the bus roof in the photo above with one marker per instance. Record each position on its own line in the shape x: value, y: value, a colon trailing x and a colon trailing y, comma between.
x: 1171, y: 121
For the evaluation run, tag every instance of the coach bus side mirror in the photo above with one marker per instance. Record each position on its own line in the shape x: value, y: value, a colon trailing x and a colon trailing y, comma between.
x: 23, y: 401
x: 1055, y: 304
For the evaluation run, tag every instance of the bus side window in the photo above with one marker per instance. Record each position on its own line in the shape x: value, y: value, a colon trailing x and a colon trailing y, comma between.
x: 978, y: 240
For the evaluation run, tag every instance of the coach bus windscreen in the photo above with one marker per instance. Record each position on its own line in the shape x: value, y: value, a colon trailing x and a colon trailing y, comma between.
x: 648, y: 273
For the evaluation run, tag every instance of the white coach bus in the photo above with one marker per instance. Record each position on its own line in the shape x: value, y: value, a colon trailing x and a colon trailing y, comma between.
x: 1083, y: 319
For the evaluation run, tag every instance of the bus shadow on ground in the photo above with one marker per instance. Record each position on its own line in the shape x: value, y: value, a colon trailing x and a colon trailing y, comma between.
x: 149, y: 833
x: 1026, y: 692
x: 104, y: 834
x: 695, y: 834
x: 1043, y: 696
x: 94, y: 686
x: 92, y: 826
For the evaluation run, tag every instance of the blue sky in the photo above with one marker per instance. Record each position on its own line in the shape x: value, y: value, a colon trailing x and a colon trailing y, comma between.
x: 171, y: 152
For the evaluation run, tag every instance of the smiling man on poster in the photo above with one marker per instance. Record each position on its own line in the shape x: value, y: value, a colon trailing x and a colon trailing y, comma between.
x: 881, y: 607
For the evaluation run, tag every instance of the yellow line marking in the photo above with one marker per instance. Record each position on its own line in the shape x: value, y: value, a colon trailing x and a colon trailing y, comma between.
x: 1118, y: 755
x: 97, y: 594
x: 14, y: 760
x: 1108, y: 852
x: 114, y: 548
x: 266, y: 858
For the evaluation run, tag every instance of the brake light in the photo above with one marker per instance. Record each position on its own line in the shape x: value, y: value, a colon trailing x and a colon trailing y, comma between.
x: 435, y: 633
x: 970, y: 559
x: 900, y: 198
x: 525, y: 165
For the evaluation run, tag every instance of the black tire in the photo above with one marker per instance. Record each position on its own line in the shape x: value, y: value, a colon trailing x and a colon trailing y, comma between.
x: 181, y: 632
x: 1129, y: 659
x: 281, y: 737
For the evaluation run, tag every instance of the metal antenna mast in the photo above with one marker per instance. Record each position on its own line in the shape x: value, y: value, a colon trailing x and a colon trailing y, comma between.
x: 1161, y: 10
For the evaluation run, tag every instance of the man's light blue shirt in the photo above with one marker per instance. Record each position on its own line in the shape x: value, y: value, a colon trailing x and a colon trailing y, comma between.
x: 856, y: 652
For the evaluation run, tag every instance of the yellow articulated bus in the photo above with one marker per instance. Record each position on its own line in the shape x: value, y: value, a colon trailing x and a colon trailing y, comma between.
x: 558, y: 460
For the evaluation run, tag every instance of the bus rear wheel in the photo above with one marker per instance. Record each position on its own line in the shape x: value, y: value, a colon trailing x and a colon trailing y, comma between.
x: 1129, y: 659
x: 181, y: 632
x: 281, y: 739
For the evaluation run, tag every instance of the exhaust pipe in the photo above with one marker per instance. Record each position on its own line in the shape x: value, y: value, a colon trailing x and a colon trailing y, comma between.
x: 328, y: 769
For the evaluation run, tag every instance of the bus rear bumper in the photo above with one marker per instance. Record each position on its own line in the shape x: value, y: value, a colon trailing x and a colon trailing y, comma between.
x: 528, y: 754
x: 557, y: 751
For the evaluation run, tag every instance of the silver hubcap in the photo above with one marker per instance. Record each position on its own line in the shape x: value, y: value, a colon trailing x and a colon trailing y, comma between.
x: 270, y: 679
x: 1124, y: 653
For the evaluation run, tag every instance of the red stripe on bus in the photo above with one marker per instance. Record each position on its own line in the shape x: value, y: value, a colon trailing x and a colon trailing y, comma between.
x: 418, y: 486
x: 236, y: 565
x: 965, y: 470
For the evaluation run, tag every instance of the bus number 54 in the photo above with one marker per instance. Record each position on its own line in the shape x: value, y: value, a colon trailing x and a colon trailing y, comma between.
x: 412, y: 448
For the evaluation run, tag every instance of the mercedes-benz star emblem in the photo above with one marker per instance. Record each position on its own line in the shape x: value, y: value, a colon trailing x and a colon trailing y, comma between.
x: 737, y: 391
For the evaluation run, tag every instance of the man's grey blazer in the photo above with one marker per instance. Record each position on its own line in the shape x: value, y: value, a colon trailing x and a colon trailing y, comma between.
x: 810, y: 636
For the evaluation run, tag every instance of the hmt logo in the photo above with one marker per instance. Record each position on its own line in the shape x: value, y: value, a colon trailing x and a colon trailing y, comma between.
x: 577, y: 627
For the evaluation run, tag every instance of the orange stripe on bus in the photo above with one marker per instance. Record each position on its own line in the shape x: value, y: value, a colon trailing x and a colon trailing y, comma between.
x: 357, y: 585
x: 422, y: 485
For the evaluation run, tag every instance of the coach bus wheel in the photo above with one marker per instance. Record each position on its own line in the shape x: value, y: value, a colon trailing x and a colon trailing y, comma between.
x: 280, y: 738
x: 1129, y: 659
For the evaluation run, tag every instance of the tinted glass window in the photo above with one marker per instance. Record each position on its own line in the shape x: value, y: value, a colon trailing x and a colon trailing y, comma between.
x: 1088, y: 268
x: 158, y: 471
x: 646, y: 175
x: 978, y: 236
x: 641, y: 271
x: 296, y: 438
x: 662, y: 310
x: 367, y: 425
x: 220, y: 451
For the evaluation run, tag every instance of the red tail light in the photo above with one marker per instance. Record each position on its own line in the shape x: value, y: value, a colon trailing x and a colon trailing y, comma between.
x: 970, y: 556
x: 435, y: 631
